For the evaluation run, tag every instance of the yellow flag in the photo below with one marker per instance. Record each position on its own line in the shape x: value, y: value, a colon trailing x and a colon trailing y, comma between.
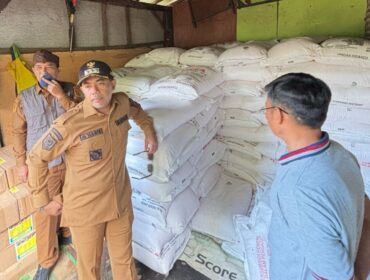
x: 21, y: 74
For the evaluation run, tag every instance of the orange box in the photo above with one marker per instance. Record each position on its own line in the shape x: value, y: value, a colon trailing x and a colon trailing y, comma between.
x: 9, y: 214
x: 23, y: 196
x: 7, y: 163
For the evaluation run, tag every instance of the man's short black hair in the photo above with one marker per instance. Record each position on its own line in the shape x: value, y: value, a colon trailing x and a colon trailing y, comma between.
x: 302, y: 95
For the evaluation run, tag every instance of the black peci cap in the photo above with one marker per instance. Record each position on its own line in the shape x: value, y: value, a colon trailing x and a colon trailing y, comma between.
x: 94, y: 68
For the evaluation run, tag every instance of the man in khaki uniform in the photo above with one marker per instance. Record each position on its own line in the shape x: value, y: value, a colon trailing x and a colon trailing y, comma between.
x: 97, y: 191
x: 34, y: 111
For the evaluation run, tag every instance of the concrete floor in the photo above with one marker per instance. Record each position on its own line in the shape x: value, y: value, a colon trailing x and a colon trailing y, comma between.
x: 66, y: 269
x: 180, y: 271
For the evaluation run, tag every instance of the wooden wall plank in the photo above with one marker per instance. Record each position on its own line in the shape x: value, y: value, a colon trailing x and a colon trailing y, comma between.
x: 218, y: 29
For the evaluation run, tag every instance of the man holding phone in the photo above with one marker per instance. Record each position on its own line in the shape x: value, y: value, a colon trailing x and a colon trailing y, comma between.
x: 34, y: 111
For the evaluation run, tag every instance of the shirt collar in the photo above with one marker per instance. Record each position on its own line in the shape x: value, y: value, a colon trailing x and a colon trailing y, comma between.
x: 309, y: 151
x: 89, y: 110
x: 41, y: 90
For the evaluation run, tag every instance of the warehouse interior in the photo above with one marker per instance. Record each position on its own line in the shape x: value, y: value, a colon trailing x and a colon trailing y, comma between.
x: 198, y: 68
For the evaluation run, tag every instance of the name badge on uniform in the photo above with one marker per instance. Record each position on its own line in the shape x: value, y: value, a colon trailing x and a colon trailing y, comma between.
x: 121, y: 120
x: 92, y: 133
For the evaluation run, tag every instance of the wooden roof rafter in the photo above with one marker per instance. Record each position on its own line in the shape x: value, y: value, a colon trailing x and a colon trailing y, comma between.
x: 133, y: 4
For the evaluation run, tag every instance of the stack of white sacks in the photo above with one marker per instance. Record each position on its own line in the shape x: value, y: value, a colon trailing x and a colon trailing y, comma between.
x: 344, y: 64
x: 252, y: 150
x: 184, y: 106
x: 189, y: 102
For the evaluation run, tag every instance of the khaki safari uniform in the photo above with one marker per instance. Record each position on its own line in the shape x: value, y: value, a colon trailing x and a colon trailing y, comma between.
x: 97, y: 190
x: 34, y: 111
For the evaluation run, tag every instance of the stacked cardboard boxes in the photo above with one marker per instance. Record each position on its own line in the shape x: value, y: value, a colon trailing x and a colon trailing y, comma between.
x: 17, y: 230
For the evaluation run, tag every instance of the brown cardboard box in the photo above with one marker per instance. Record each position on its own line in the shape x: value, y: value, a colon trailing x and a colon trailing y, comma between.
x: 17, y: 252
x: 17, y: 232
x: 3, y: 181
x: 19, y: 269
x: 9, y: 214
x: 23, y: 196
x: 7, y: 257
x: 7, y: 163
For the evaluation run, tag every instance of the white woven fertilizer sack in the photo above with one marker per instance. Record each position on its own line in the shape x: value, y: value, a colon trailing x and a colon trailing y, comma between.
x: 253, y: 232
x: 350, y: 96
x: 166, y: 192
x: 227, y: 45
x: 170, y: 216
x: 345, y: 51
x: 240, y: 117
x: 260, y: 134
x: 250, y: 103
x: 292, y: 51
x: 153, y: 242
x: 332, y: 74
x: 338, y: 112
x: 176, y: 148
x: 201, y: 56
x: 242, y: 146
x: 351, y: 131
x: 135, y: 82
x: 205, y: 180
x: 239, y: 87
x: 164, y: 262
x: 249, y: 53
x: 246, y: 72
x: 188, y: 84
x: 272, y: 150
x: 168, y: 115
x: 204, y: 255
x: 229, y: 197
x: 140, y: 61
x: 166, y: 56
x: 265, y: 167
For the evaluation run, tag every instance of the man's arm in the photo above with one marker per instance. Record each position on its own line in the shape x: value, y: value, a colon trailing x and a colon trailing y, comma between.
x: 19, y: 131
x: 145, y: 122
x: 67, y: 95
x: 53, y: 143
x: 362, y: 264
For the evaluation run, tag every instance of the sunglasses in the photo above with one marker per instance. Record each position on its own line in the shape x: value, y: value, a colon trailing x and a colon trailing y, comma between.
x: 149, y: 166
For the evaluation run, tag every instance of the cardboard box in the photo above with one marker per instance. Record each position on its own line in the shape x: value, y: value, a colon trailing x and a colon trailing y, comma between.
x: 7, y: 257
x: 19, y: 269
x: 24, y: 200
x: 3, y: 181
x: 9, y: 214
x: 17, y: 232
x: 18, y: 252
x: 7, y: 163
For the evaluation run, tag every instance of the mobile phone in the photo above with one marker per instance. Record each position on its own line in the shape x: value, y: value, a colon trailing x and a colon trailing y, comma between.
x: 48, y: 77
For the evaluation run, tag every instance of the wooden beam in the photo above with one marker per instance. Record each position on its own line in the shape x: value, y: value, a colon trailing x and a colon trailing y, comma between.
x: 104, y: 23
x: 133, y: 4
x: 3, y: 4
x: 128, y: 26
